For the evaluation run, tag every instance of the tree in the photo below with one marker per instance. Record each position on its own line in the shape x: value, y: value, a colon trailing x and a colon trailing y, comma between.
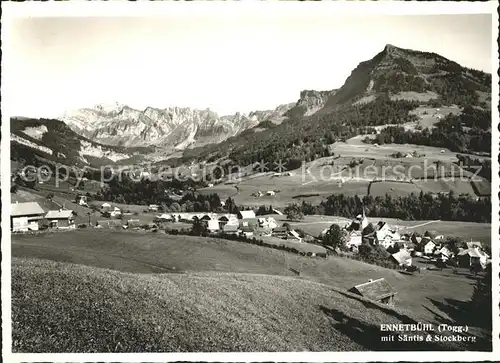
x: 335, y: 237
x: 199, y: 228
x: 293, y: 212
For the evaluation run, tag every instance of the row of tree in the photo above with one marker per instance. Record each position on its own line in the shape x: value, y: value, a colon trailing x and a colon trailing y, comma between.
x: 423, y: 206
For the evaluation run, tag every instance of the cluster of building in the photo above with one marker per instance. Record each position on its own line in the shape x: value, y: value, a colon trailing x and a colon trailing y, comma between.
x: 29, y: 216
x: 430, y: 246
x: 244, y: 223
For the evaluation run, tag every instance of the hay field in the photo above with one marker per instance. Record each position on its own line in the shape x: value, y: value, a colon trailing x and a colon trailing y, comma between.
x: 59, y: 307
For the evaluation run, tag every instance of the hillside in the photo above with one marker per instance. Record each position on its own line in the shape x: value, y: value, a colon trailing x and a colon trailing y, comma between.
x: 404, y: 73
x: 381, y: 91
x: 33, y: 140
x: 59, y: 307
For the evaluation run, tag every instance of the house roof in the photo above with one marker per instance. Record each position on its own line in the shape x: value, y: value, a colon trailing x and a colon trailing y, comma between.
x: 401, y: 256
x: 230, y: 228
x: 295, y: 234
x: 25, y: 209
x: 59, y: 214
x: 473, y: 244
x: 375, y: 290
x: 473, y: 252
x: 106, y: 205
x: 246, y: 214
x: 280, y: 229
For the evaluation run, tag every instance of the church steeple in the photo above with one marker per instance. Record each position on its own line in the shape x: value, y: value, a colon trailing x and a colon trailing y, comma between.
x: 364, y: 220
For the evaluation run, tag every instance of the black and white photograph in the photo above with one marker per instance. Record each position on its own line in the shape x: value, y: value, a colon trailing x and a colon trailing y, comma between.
x: 250, y: 178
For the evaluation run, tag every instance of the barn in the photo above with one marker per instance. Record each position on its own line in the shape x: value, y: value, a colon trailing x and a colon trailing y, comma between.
x: 26, y: 216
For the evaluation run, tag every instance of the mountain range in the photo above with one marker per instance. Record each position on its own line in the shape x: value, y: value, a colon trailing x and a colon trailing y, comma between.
x: 377, y: 85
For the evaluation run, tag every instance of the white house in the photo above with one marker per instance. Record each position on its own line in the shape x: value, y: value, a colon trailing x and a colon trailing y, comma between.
x: 153, y: 208
x: 61, y: 219
x: 429, y: 248
x: 25, y: 216
x: 212, y: 225
x: 268, y: 222
x: 402, y: 258
x: 105, y: 206
x: 82, y: 200
x: 116, y: 212
x: 355, y: 239
x: 246, y: 214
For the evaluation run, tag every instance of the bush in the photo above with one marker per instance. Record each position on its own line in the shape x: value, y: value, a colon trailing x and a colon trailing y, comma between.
x: 82, y: 225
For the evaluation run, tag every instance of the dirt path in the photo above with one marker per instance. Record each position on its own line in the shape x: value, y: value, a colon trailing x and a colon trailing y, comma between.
x: 423, y: 224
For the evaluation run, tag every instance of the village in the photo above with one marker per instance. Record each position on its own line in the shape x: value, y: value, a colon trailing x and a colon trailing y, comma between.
x: 407, y: 251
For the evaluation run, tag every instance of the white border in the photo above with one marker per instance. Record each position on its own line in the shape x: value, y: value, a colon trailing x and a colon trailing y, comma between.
x: 137, y: 9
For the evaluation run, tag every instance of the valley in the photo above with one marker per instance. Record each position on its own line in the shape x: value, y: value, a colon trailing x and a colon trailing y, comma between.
x: 265, y: 225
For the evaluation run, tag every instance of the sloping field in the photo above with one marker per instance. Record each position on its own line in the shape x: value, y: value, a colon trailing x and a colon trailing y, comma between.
x: 59, y: 307
x: 22, y: 195
x: 137, y: 252
x: 394, y: 189
x: 445, y: 186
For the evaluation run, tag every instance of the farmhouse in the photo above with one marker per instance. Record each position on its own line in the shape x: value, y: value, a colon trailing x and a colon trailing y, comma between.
x: 474, y: 244
x: 105, y: 206
x: 246, y: 214
x: 132, y: 223
x: 444, y: 253
x: 228, y: 219
x: 472, y: 256
x: 116, y: 212
x: 402, y: 258
x: 212, y: 225
x: 376, y: 290
x: 60, y: 219
x: 167, y: 217
x: 429, y: 248
x: 153, y: 208
x: 25, y: 216
x: 355, y: 239
x: 82, y: 200
x: 247, y: 231
x: 230, y: 229
x: 268, y: 222
x: 109, y: 223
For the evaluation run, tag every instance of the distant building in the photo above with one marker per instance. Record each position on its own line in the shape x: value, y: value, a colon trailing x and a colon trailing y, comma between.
x: 105, y: 207
x: 270, y: 193
x: 474, y: 244
x: 246, y: 214
x: 376, y: 290
x: 25, y: 216
x: 153, y: 208
x: 212, y: 225
x: 268, y: 222
x: 402, y: 258
x: 61, y: 219
x: 472, y: 256
x: 116, y: 213
x: 230, y: 229
x: 82, y: 200
x: 355, y: 239
x: 247, y: 231
x: 429, y: 248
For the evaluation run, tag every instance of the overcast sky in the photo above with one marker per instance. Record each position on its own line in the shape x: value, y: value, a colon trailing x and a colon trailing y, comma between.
x: 228, y: 64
